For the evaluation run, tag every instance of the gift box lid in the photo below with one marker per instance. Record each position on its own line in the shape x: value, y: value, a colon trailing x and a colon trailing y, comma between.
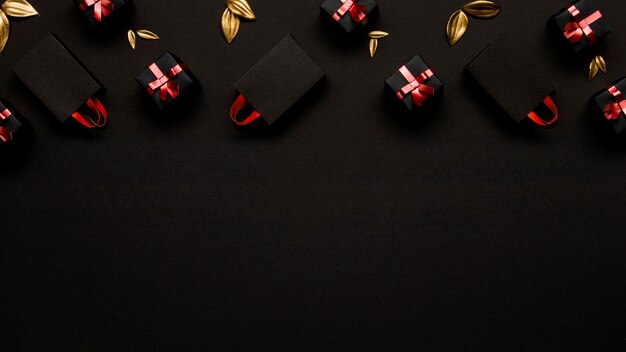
x: 330, y: 8
x: 589, y: 14
x: 416, y: 66
x: 10, y: 122
x: 56, y: 77
x: 184, y: 78
x: 107, y: 10
x: 511, y: 76
x: 612, y: 104
x: 279, y: 79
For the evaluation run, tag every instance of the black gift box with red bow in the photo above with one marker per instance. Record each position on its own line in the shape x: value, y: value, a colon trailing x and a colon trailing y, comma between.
x: 102, y: 12
x: 612, y: 103
x: 350, y: 14
x: 415, y: 84
x: 167, y: 80
x: 11, y: 123
x: 581, y: 24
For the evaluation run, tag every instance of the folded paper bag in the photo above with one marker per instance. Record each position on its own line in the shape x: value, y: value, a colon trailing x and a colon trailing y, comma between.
x: 275, y: 83
x: 514, y: 80
x: 62, y: 83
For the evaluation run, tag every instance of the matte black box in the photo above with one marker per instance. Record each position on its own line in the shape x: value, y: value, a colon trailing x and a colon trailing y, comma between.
x: 571, y: 23
x: 279, y: 79
x: 11, y: 123
x: 415, y: 84
x: 330, y: 8
x: 511, y: 76
x: 612, y: 103
x: 167, y: 80
x: 102, y: 12
x: 57, y: 78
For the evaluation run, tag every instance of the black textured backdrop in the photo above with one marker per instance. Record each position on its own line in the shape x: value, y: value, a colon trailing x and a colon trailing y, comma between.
x: 346, y: 227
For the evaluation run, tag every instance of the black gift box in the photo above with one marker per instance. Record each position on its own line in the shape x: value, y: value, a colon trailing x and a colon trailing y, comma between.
x: 329, y: 9
x: 174, y: 76
x: 57, y: 78
x: 612, y: 104
x: 511, y: 76
x: 100, y: 12
x: 570, y: 26
x: 279, y: 80
x: 11, y: 123
x: 428, y: 89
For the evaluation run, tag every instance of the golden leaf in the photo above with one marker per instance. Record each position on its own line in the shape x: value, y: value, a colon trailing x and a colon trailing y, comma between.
x: 597, y: 64
x: 19, y: 8
x: 377, y: 34
x: 482, y: 9
x: 146, y: 34
x: 132, y: 39
x: 230, y: 25
x: 373, y: 47
x: 4, y: 30
x: 457, y: 25
x: 241, y: 8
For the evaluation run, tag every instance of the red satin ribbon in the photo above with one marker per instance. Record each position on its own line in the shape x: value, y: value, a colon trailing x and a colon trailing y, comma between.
x: 96, y: 107
x: 416, y: 86
x: 612, y: 111
x: 539, y: 120
x: 574, y: 31
x: 164, y: 82
x: 237, y: 106
x: 5, y: 134
x: 358, y: 12
x: 101, y: 8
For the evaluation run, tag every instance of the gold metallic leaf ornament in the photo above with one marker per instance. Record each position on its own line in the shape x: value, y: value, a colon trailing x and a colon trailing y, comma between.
x: 4, y: 30
x: 597, y: 64
x: 457, y: 25
x: 19, y: 8
x: 241, y: 8
x: 132, y: 39
x: 373, y: 47
x: 482, y: 9
x: 377, y: 34
x: 230, y: 25
x: 147, y: 35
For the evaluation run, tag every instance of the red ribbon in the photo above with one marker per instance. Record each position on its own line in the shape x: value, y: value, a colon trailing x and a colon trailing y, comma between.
x: 548, y: 102
x: 416, y: 86
x: 574, y: 31
x: 95, y: 106
x: 358, y: 12
x: 164, y: 82
x: 101, y: 8
x: 237, y: 106
x: 612, y: 111
x: 5, y: 134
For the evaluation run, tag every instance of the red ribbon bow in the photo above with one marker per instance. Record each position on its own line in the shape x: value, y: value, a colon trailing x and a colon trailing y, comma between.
x: 357, y: 11
x: 574, y: 31
x: 101, y: 8
x: 612, y: 111
x: 5, y: 134
x: 164, y: 82
x: 416, y: 86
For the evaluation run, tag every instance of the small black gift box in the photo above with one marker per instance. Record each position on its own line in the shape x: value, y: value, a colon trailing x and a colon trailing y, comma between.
x: 99, y: 12
x: 11, y: 124
x: 415, y: 84
x: 515, y: 81
x: 276, y: 82
x: 350, y: 14
x: 62, y: 83
x: 612, y: 103
x: 167, y: 79
x: 580, y: 24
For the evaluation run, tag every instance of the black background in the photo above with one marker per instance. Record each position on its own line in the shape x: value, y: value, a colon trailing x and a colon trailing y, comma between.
x: 347, y: 226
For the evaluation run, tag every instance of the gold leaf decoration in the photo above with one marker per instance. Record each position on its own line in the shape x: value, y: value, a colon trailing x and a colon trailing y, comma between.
x: 132, y: 39
x: 241, y: 8
x: 457, y: 25
x: 597, y: 64
x: 377, y: 34
x: 230, y: 25
x: 19, y: 8
x: 482, y: 9
x: 4, y: 30
x: 146, y: 34
x: 373, y: 47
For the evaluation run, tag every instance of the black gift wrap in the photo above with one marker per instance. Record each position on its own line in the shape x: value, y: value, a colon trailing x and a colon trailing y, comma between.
x: 349, y: 25
x: 511, y: 76
x: 185, y: 79
x: 279, y: 79
x: 416, y: 66
x: 600, y: 27
x: 13, y: 124
x: 57, y: 78
x: 605, y: 98
x: 112, y: 10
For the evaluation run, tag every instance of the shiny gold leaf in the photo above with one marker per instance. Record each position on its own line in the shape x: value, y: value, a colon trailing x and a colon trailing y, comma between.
x: 19, y: 8
x: 146, y: 34
x: 230, y: 25
x: 4, y: 30
x: 241, y: 8
x: 597, y: 64
x: 373, y: 47
x: 482, y: 9
x: 132, y: 39
x: 457, y: 25
x: 377, y: 34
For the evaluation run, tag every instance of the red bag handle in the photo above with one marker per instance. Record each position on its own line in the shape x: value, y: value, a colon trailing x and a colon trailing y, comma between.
x: 237, y: 106
x: 95, y: 107
x: 541, y: 121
